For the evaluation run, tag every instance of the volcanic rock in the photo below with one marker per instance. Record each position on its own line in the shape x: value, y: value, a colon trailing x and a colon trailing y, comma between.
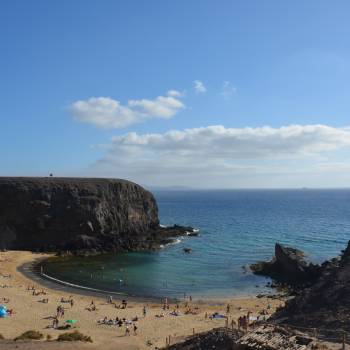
x: 287, y: 266
x: 325, y: 305
x: 80, y: 214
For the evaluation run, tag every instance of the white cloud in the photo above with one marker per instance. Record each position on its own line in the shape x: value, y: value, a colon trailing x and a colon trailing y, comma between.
x: 228, y: 90
x: 106, y: 112
x: 199, y: 87
x: 175, y: 93
x: 215, y: 154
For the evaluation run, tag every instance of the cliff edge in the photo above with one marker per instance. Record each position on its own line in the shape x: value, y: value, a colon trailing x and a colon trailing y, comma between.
x: 79, y: 214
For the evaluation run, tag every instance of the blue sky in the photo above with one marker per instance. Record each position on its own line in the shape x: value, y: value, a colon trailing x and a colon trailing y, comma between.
x: 277, y: 64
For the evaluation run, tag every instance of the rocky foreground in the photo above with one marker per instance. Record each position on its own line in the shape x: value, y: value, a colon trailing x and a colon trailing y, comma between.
x: 80, y: 215
x: 325, y: 304
x: 263, y: 337
x: 317, y: 317
x: 321, y: 292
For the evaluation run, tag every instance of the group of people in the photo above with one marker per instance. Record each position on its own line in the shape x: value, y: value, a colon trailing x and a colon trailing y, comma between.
x: 39, y: 292
x: 92, y: 306
x: 243, y: 322
x: 69, y: 300
x: 127, y: 330
x: 119, y: 322
x: 59, y: 311
x: 35, y: 292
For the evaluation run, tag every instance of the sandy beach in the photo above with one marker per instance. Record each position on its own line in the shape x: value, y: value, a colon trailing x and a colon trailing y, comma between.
x: 30, y: 313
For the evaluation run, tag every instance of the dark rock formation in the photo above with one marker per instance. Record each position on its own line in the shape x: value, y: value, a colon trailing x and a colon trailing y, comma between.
x: 287, y: 266
x: 271, y: 337
x: 217, y: 338
x: 92, y: 215
x: 263, y: 337
x: 326, y: 304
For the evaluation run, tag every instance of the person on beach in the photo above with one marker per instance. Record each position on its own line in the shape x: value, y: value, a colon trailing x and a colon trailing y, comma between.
x: 233, y: 323
x: 110, y: 299
x: 135, y: 329
x: 58, y: 311
x: 55, y: 323
x: 245, y: 323
x: 228, y: 308
x: 127, y: 330
x: 144, y: 311
x: 71, y: 302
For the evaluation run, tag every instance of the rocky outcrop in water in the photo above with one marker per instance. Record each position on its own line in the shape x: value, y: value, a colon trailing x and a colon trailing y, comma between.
x: 325, y: 305
x: 80, y: 214
x: 288, y: 266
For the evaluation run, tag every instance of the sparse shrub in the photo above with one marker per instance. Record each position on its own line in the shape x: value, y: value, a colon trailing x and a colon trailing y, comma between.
x: 34, y: 335
x: 74, y: 336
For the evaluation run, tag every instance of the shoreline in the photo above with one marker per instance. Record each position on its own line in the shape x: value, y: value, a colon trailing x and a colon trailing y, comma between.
x: 28, y: 269
x: 31, y: 271
x: 30, y: 313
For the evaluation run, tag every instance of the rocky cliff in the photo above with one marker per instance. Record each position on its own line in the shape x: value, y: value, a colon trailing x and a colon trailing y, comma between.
x: 79, y: 214
x: 325, y: 304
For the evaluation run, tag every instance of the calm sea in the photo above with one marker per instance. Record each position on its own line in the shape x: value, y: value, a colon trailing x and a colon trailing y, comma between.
x: 237, y: 228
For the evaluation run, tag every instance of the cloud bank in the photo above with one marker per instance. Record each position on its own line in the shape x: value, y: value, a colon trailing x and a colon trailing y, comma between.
x: 211, y: 154
x: 108, y: 113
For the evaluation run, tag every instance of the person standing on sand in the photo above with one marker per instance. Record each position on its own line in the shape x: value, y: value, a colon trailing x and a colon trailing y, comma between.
x: 127, y: 330
x: 71, y: 303
x: 135, y: 329
x: 239, y: 322
x: 144, y: 311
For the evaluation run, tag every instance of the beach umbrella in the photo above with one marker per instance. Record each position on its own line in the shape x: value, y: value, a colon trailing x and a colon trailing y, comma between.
x: 71, y: 321
x: 3, y: 313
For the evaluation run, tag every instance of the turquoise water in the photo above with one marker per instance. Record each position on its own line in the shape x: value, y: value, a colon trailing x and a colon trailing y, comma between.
x: 236, y: 228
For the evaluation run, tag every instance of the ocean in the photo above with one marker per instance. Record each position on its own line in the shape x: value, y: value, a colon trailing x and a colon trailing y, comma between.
x: 237, y: 228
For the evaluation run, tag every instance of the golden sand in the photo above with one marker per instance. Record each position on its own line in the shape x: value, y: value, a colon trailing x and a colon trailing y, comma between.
x: 31, y: 314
